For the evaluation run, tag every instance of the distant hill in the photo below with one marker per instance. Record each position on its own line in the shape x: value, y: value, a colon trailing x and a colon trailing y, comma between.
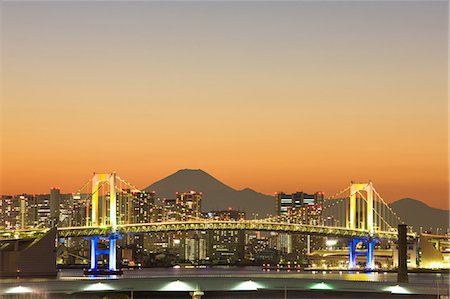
x: 216, y: 195
x: 418, y: 214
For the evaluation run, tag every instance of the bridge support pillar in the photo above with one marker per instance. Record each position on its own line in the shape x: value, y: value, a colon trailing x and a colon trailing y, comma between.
x: 352, y: 254
x: 370, y: 253
x: 94, y: 256
x: 111, y: 252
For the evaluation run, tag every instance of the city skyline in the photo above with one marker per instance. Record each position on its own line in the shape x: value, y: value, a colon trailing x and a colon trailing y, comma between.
x: 292, y: 96
x: 181, y: 230
x: 331, y: 194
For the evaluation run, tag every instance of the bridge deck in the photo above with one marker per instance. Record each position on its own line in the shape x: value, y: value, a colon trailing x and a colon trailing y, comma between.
x: 252, y: 225
x: 223, y: 225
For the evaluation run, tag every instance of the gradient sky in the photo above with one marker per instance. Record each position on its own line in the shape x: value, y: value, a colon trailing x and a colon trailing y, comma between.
x: 275, y: 96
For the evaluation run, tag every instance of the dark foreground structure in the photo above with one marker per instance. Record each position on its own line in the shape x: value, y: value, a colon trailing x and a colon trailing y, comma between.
x: 199, y: 286
x: 33, y: 257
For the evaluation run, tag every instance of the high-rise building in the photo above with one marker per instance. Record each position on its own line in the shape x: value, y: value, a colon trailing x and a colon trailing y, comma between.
x: 134, y: 206
x: 9, y: 212
x: 80, y: 210
x: 171, y: 209
x: 143, y: 202
x: 124, y: 207
x: 226, y: 246
x: 189, y: 204
x: 43, y: 209
x: 65, y: 209
x: 195, y: 248
x: 26, y: 211
x: 301, y: 208
x: 296, y: 207
x: 157, y: 213
x: 55, y: 200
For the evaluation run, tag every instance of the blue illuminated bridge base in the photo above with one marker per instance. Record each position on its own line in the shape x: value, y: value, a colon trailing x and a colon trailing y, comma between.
x: 111, y: 252
x: 102, y: 272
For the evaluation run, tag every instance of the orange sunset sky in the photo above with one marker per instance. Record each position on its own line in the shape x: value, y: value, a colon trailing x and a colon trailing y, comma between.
x: 275, y: 96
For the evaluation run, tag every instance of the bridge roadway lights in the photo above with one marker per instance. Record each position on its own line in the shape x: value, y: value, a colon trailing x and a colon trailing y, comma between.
x: 370, y: 253
x: 111, y: 252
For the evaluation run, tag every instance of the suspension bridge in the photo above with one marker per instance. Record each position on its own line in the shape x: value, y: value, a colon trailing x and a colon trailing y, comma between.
x: 357, y: 212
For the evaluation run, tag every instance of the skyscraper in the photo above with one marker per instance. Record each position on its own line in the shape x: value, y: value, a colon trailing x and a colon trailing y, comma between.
x: 189, y: 204
x: 300, y: 208
x: 226, y: 246
x: 143, y: 203
x: 55, y: 199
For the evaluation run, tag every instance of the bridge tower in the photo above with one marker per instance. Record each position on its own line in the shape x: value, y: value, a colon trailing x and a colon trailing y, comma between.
x: 108, y: 218
x: 360, y: 215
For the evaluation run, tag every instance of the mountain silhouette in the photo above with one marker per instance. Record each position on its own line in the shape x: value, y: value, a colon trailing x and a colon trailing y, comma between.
x: 418, y: 214
x: 216, y: 195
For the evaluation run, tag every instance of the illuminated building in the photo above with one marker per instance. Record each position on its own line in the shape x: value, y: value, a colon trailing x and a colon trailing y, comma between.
x: 412, y: 252
x: 156, y: 214
x: 55, y: 199
x: 124, y: 207
x: 65, y: 209
x: 9, y: 212
x: 42, y: 209
x: 189, y: 204
x: 47, y: 210
x: 171, y: 209
x: 134, y: 206
x: 301, y: 208
x: 143, y: 203
x: 24, y: 211
x: 156, y: 242
x: 226, y: 246
x: 195, y: 248
x: 80, y: 207
x: 434, y: 251
x: 254, y: 244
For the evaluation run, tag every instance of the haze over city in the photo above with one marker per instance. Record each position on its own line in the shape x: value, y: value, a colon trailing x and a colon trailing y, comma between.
x: 292, y: 96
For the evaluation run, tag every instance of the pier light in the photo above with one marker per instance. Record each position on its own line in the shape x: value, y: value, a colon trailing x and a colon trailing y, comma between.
x: 397, y: 290
x: 321, y: 286
x: 177, y: 286
x: 248, y: 285
x: 99, y: 286
x: 18, y: 290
